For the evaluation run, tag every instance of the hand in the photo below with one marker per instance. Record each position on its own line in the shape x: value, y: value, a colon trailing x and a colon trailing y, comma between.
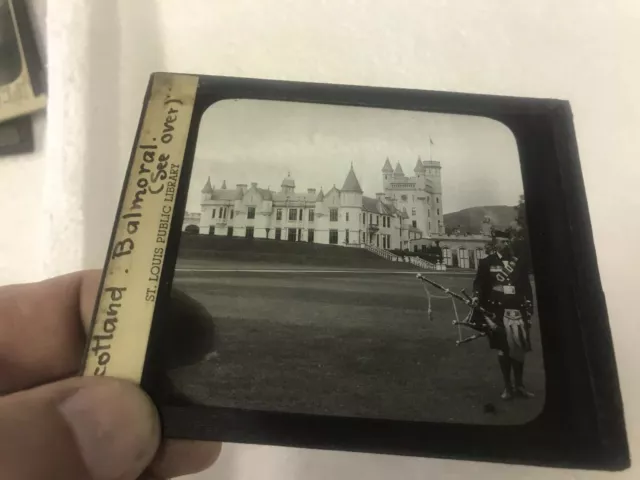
x: 81, y: 427
x: 528, y: 306
x: 475, y: 301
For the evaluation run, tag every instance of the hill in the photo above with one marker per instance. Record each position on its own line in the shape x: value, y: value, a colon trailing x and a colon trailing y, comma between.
x: 469, y: 220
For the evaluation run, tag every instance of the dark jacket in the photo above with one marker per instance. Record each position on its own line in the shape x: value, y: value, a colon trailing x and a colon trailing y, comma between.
x: 512, y: 278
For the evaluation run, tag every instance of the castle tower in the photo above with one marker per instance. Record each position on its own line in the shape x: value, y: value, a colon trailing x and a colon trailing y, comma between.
x: 387, y: 172
x: 350, y: 209
x: 351, y: 191
x: 288, y: 184
x: 207, y: 191
x: 433, y: 174
x: 398, y: 173
x: 420, y: 171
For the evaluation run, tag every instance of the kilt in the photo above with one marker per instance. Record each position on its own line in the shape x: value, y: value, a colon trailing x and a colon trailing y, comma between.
x: 512, y: 335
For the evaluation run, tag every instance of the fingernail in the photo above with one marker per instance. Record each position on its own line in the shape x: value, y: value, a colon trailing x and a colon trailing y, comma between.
x: 115, y: 426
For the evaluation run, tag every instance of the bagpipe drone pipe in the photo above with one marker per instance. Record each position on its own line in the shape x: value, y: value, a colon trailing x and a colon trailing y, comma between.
x: 478, y: 318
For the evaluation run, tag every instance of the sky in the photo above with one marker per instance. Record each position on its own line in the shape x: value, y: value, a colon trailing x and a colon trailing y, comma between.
x: 245, y: 141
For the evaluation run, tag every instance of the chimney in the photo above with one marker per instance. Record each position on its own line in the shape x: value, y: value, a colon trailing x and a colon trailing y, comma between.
x: 311, y: 190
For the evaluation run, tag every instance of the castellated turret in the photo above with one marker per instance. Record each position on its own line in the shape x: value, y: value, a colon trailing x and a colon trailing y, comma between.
x: 420, y: 171
x: 420, y: 195
x: 351, y: 191
x: 433, y: 173
x: 207, y: 191
x: 387, y: 173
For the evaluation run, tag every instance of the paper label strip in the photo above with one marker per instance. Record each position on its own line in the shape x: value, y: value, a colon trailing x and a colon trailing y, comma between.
x: 120, y: 330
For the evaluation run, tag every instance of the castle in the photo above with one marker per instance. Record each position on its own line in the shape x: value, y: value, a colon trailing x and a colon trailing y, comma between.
x: 409, y: 208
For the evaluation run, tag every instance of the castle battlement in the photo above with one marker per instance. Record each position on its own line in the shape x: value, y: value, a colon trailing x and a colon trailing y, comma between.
x: 420, y: 195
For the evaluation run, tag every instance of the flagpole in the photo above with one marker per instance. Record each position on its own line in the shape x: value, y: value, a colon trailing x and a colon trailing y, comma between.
x: 430, y: 144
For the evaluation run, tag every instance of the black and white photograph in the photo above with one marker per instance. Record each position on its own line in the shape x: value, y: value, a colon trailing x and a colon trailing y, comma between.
x: 10, y: 58
x: 358, y: 262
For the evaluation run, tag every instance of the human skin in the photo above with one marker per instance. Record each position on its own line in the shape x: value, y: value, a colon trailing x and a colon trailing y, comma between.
x: 79, y: 427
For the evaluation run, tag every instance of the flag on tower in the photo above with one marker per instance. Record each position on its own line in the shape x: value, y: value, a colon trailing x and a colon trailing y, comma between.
x: 430, y: 140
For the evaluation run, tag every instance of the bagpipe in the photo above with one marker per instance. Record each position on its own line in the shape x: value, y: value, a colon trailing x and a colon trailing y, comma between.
x: 478, y: 318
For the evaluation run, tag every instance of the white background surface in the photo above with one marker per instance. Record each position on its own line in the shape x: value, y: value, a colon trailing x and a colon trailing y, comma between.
x: 58, y: 204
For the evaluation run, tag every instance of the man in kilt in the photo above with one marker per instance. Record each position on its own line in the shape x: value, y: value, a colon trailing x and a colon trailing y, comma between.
x: 502, y: 287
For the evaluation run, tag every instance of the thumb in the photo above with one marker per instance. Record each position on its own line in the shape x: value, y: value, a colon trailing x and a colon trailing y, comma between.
x: 89, y: 428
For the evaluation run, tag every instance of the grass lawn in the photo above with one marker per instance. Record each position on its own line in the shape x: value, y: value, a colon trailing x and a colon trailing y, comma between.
x: 350, y: 343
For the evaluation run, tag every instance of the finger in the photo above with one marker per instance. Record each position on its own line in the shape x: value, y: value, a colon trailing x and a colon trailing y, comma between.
x: 81, y: 428
x: 41, y: 329
x: 184, y: 457
x: 54, y: 315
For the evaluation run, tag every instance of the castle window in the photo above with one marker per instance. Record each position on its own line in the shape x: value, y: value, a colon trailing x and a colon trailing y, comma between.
x: 415, y: 224
x: 212, y: 230
x: 251, y: 214
x: 278, y: 233
x: 377, y: 220
x: 300, y: 215
x: 333, y: 215
x: 364, y: 218
x: 292, y: 234
x: 333, y: 237
x: 438, y: 212
x: 463, y: 256
x: 249, y: 232
x: 428, y: 199
x: 346, y: 238
x: 312, y: 215
x: 437, y: 200
x: 279, y: 214
x: 231, y: 216
x: 370, y: 219
x: 230, y: 232
x: 346, y: 216
x: 310, y: 235
x: 413, y: 211
x: 213, y: 213
x: 293, y: 214
x: 446, y: 256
